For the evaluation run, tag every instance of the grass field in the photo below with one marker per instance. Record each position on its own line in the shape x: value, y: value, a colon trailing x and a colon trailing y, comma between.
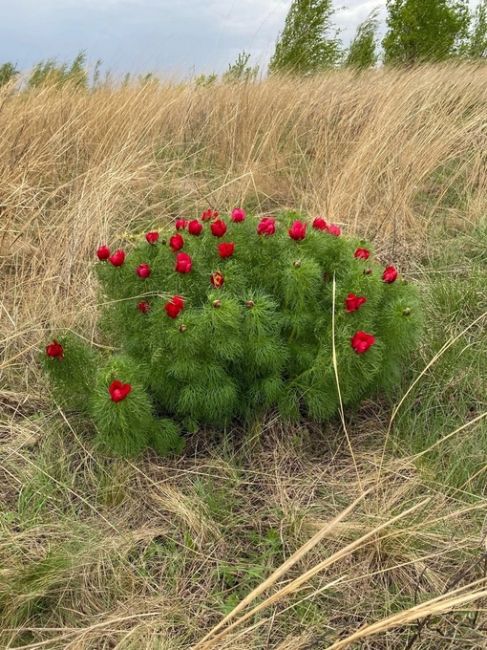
x: 152, y: 554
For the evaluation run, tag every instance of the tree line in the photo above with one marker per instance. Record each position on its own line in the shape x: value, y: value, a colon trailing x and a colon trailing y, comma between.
x: 417, y: 31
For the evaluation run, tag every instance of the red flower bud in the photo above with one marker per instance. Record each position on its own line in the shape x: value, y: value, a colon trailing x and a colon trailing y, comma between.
x: 183, y: 263
x: 320, y: 224
x: 217, y: 279
x: 361, y: 341
x: 143, y: 307
x: 218, y: 228
x: 333, y: 229
x: 181, y: 224
x: 176, y: 242
x: 390, y: 274
x: 143, y: 271
x: 266, y: 226
x: 103, y: 253
x: 152, y: 237
x: 195, y: 227
x: 353, y: 302
x: 362, y: 254
x: 297, y: 231
x: 208, y: 215
x: 118, y: 258
x: 118, y: 390
x: 55, y: 350
x: 238, y: 215
x: 174, y: 306
x: 226, y: 249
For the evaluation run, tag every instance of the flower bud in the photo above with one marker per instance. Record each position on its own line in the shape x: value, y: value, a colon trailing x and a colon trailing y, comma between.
x: 297, y: 231
x: 103, y: 253
x: 390, y: 274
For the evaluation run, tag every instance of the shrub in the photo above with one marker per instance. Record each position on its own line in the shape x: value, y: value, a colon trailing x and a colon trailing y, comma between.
x: 224, y: 319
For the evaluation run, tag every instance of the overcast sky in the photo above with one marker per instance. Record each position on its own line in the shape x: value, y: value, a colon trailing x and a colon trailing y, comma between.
x: 169, y: 37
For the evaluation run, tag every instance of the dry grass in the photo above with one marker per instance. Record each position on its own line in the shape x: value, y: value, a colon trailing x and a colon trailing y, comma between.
x: 99, y: 554
x: 69, y: 580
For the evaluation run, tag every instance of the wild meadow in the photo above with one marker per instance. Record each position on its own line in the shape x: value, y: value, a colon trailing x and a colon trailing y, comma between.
x: 366, y: 532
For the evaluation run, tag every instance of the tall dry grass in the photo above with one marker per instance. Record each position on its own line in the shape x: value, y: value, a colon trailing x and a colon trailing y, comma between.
x: 388, y: 154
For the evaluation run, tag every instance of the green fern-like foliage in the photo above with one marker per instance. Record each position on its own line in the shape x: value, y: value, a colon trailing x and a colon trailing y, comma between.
x: 224, y: 318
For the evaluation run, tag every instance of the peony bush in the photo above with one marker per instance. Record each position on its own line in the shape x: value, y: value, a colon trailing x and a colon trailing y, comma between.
x: 224, y: 318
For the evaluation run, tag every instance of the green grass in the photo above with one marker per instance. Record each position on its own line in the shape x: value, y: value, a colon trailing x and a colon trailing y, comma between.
x: 454, y: 391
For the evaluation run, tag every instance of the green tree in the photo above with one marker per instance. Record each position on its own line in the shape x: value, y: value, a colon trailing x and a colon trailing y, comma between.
x: 424, y: 30
x: 305, y: 44
x: 476, y: 47
x: 52, y: 72
x: 97, y: 73
x: 8, y: 71
x: 206, y: 80
x: 44, y: 72
x: 77, y: 73
x: 240, y: 70
x: 362, y: 52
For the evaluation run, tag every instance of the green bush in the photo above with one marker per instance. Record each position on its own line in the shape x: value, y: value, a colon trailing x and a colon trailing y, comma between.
x: 223, y: 319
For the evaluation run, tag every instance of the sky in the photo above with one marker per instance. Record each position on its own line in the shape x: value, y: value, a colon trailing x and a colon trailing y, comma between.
x: 167, y: 37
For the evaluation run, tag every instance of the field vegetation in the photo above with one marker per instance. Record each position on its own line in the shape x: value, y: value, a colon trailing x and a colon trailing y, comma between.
x: 152, y: 553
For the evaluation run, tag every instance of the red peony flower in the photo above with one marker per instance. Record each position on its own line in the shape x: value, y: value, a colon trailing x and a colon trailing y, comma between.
x: 361, y: 341
x: 152, y: 237
x: 174, y: 306
x: 195, y: 227
x: 181, y: 224
x: 208, y: 215
x: 353, y: 302
x: 103, y: 253
x: 217, y: 279
x: 183, y: 263
x: 218, y: 228
x: 266, y: 226
x: 226, y: 249
x: 390, y: 274
x: 362, y: 254
x: 333, y: 229
x: 118, y: 390
x: 143, y: 307
x: 55, y: 350
x: 176, y: 242
x: 297, y: 231
x: 238, y: 215
x: 179, y: 301
x: 143, y: 271
x: 118, y: 258
x: 320, y: 224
